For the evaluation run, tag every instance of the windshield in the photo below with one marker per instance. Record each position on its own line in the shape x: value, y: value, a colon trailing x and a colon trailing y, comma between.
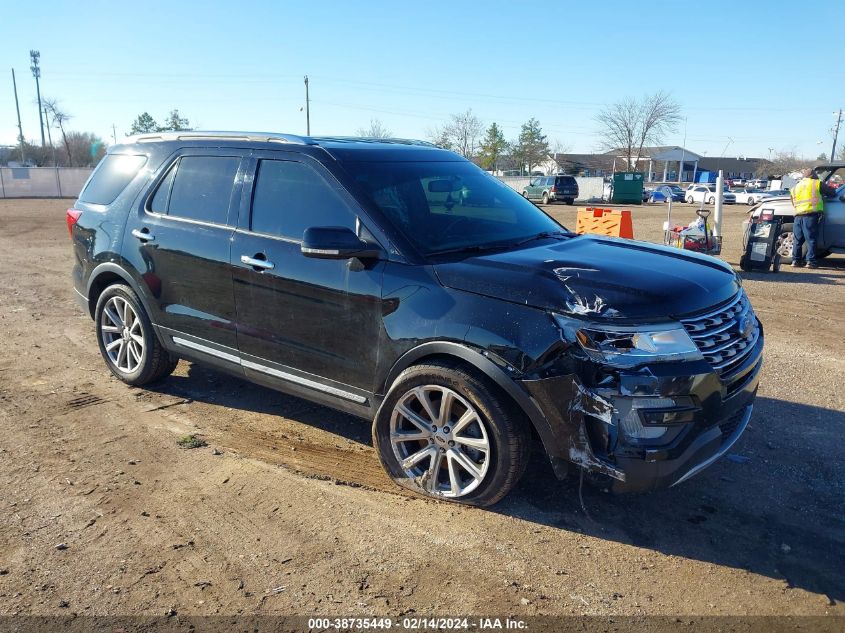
x: 676, y: 189
x: 450, y: 206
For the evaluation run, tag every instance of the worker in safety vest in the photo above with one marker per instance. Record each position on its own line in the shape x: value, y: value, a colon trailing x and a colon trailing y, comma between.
x: 807, y: 198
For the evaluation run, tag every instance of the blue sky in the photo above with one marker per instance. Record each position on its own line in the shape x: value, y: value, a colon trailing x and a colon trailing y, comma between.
x: 748, y: 75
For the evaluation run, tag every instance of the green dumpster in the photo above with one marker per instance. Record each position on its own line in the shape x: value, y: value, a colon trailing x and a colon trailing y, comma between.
x: 628, y: 187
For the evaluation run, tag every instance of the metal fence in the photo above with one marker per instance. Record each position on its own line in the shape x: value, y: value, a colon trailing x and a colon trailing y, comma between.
x: 42, y: 182
x: 588, y: 188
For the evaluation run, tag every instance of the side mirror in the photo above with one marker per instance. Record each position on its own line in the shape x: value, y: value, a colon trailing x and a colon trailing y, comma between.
x: 335, y: 242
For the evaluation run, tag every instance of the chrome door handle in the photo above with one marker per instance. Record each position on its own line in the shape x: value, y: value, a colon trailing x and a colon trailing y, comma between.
x: 257, y: 263
x: 143, y: 236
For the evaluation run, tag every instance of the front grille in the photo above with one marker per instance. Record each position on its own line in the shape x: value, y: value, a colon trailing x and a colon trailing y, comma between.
x: 727, y: 335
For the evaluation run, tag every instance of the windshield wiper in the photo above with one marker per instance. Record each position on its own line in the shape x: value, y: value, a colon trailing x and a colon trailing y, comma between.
x: 473, y: 248
x: 476, y: 248
x: 541, y: 236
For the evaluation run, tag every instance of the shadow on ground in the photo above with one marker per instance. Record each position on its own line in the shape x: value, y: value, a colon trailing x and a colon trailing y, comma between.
x: 773, y: 506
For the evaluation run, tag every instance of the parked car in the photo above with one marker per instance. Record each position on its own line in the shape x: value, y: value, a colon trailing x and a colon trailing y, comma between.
x: 757, y: 183
x: 748, y: 195
x: 775, y: 193
x: 402, y: 284
x: 664, y: 193
x: 549, y: 189
x: 831, y: 231
x: 707, y: 194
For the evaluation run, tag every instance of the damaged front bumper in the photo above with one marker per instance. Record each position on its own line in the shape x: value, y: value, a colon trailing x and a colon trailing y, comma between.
x: 648, y: 428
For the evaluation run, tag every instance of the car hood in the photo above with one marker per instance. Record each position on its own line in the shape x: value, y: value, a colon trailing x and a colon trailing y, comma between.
x: 597, y: 277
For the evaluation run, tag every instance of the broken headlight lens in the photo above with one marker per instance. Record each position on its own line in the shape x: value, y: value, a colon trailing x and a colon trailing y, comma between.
x: 618, y: 345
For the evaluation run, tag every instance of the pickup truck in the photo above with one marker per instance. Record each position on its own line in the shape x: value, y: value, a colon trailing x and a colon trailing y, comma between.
x: 832, y: 231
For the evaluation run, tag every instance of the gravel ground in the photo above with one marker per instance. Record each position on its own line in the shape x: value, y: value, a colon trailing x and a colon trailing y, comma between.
x: 287, y: 511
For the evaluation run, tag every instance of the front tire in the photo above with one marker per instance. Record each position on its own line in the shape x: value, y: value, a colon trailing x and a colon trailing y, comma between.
x: 446, y: 432
x: 127, y: 340
x: 690, y: 200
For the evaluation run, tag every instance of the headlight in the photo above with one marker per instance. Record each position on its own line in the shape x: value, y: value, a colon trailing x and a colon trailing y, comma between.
x: 627, y: 346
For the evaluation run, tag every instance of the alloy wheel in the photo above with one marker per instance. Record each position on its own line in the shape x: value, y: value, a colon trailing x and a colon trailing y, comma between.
x: 440, y: 441
x: 122, y: 335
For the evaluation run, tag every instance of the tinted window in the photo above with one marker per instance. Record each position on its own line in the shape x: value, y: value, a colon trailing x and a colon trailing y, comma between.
x: 110, y: 178
x: 449, y: 205
x: 291, y: 197
x: 566, y: 181
x: 202, y: 188
x: 159, y: 201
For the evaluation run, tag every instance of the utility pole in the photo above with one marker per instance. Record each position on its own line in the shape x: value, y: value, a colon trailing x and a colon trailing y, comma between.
x: 114, y: 133
x: 36, y: 72
x: 17, y: 107
x: 835, y: 135
x: 307, y: 109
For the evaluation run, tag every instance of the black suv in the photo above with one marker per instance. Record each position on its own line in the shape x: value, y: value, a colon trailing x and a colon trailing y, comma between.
x: 551, y: 189
x: 402, y: 284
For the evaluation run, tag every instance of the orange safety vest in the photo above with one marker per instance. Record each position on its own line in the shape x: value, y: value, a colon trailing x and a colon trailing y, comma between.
x: 807, y: 197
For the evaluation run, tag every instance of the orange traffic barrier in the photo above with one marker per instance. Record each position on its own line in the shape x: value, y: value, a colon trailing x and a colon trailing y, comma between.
x: 610, y: 222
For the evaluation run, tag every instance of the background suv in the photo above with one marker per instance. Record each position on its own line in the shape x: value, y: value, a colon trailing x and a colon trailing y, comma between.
x: 832, y: 228
x: 402, y: 284
x: 551, y: 189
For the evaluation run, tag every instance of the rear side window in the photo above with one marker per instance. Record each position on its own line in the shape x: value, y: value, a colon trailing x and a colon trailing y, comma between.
x: 110, y: 178
x: 566, y: 181
x: 201, y: 188
x: 290, y: 197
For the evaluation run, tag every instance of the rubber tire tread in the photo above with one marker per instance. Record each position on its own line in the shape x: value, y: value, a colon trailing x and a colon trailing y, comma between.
x: 157, y: 362
x: 506, y: 425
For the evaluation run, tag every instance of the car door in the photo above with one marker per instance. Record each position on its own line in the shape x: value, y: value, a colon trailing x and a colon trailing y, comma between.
x: 832, y: 234
x: 303, y: 323
x: 535, y: 188
x: 179, y: 243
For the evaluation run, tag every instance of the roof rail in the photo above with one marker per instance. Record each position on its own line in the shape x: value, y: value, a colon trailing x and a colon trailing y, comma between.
x: 372, y: 139
x: 271, y: 137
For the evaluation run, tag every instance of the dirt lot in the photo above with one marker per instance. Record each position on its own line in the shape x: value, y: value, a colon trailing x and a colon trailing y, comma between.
x: 102, y: 513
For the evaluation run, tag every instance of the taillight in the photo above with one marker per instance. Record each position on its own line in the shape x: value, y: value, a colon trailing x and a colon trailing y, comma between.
x: 553, y: 189
x: 72, y: 218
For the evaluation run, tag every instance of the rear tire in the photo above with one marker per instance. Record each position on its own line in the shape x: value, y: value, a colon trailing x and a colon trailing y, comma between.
x: 570, y: 201
x: 545, y: 198
x: 690, y: 200
x: 126, y: 338
x: 711, y: 201
x: 481, y: 444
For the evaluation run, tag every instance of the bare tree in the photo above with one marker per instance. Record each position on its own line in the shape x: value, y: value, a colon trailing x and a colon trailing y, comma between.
x: 60, y: 117
x: 629, y: 125
x: 376, y: 130
x: 556, y: 152
x: 785, y: 162
x: 460, y: 134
